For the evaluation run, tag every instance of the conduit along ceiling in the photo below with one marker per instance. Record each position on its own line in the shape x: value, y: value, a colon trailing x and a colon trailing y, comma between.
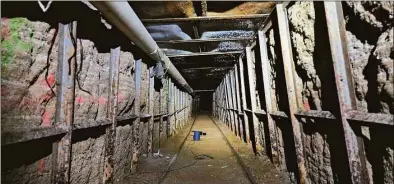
x: 203, y: 39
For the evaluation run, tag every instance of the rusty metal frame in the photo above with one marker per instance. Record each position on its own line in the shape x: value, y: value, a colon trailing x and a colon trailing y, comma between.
x: 288, y: 65
x: 64, y: 115
x: 257, y: 141
x: 343, y: 80
x: 136, y: 127
x: 243, y: 98
x: 238, y: 99
x: 347, y: 113
x: 268, y: 99
x: 111, y: 115
x: 150, y: 108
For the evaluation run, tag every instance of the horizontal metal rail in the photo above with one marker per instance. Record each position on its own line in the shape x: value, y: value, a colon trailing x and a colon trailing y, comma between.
x: 18, y: 136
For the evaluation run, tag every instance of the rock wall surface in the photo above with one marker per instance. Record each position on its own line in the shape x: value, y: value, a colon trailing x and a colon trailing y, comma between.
x: 369, y: 33
x: 309, y: 40
x: 29, y: 68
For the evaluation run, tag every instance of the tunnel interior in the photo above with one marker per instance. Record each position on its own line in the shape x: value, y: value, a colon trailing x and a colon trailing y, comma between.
x: 282, y: 92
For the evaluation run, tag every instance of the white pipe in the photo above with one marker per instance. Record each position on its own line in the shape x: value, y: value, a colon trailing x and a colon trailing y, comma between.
x: 120, y: 14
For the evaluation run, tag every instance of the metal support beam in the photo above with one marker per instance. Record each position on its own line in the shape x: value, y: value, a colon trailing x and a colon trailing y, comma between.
x: 343, y: 80
x: 287, y: 56
x: 252, y: 94
x: 243, y: 97
x: 170, y: 109
x: 65, y: 90
x: 136, y: 126
x: 112, y: 115
x: 238, y: 98
x: 150, y: 109
x: 268, y: 99
x: 234, y: 102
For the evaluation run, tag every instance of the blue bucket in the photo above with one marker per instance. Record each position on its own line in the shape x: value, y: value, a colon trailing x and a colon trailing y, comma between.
x: 196, y: 135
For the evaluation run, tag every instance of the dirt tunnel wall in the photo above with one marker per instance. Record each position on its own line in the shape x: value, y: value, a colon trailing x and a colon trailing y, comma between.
x: 310, y: 123
x: 118, y: 115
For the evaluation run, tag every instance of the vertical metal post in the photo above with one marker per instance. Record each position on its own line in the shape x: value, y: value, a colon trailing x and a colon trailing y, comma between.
x: 184, y: 110
x: 170, y: 109
x: 239, y: 111
x: 65, y: 88
x: 111, y: 115
x: 291, y: 90
x: 256, y: 127
x: 344, y: 85
x: 234, y: 101
x: 136, y: 126
x: 176, y: 107
x: 243, y: 97
x: 229, y: 102
x: 150, y: 109
x: 221, y: 99
x: 213, y: 104
x: 268, y: 99
x: 160, y: 126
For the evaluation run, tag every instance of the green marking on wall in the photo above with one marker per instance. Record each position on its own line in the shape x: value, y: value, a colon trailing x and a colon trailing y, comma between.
x: 12, y: 41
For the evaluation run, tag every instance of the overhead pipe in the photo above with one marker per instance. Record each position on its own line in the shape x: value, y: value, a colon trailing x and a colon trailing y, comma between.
x: 120, y: 14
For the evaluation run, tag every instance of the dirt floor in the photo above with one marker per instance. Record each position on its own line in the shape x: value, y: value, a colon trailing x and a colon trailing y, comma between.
x: 209, y: 160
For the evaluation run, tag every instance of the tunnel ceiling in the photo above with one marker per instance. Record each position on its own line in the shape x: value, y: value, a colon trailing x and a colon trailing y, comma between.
x: 202, y: 39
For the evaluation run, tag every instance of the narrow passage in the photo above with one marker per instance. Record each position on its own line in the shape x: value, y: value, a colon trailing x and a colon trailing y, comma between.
x: 209, y: 160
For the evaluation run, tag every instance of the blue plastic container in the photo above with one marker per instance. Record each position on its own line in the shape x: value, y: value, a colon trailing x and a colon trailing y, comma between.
x: 196, y: 135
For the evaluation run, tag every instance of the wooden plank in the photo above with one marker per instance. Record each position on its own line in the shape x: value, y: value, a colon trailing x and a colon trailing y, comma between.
x: 150, y: 109
x: 250, y: 77
x: 111, y: 115
x: 210, y: 18
x: 243, y: 97
x: 344, y: 85
x: 290, y: 87
x: 65, y: 90
x: 204, y: 8
x: 136, y: 126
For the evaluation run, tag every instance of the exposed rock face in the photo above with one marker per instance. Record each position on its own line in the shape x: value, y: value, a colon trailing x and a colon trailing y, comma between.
x: 29, y: 66
x: 302, y: 21
x: 369, y: 34
x: 171, y: 9
x: 29, y: 55
x: 247, y: 8
x: 308, y: 31
x: 157, y: 9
